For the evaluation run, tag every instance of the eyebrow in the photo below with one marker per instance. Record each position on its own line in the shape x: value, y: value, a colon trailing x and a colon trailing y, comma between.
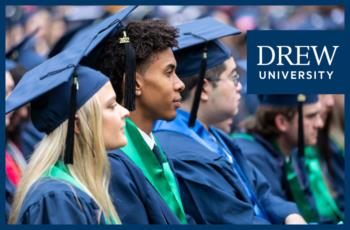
x: 313, y: 113
x: 170, y: 66
x: 112, y: 99
x: 234, y: 71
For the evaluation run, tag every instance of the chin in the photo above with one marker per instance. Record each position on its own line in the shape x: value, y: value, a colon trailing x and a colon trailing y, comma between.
x: 169, y: 116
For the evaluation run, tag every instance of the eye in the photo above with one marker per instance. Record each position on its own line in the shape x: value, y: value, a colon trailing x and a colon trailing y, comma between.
x: 113, y: 105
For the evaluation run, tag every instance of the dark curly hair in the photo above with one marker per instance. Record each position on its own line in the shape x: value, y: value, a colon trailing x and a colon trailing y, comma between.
x: 147, y: 37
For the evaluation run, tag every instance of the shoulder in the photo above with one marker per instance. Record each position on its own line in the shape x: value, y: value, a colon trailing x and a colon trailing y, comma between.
x: 179, y: 147
x: 57, y: 202
x: 249, y: 145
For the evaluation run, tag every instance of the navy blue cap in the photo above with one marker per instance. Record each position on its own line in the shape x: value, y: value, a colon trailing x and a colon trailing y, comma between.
x: 55, y: 97
x: 24, y: 52
x: 198, y: 50
x: 49, y: 95
x: 90, y: 37
x: 192, y: 37
x: 59, y: 69
x: 293, y: 100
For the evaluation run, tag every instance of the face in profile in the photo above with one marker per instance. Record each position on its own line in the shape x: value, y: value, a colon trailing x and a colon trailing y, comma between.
x: 327, y: 105
x: 113, y: 118
x: 312, y: 123
x: 159, y: 93
x: 225, y: 96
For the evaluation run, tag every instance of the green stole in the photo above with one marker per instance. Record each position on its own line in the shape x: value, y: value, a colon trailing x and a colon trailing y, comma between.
x: 325, y: 203
x: 298, y: 194
x: 61, y: 172
x: 161, y: 177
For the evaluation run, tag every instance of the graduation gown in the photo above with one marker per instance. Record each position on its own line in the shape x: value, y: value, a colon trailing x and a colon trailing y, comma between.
x: 142, y: 190
x: 52, y: 201
x: 266, y: 159
x: 210, y: 188
x: 135, y: 199
x: 272, y: 165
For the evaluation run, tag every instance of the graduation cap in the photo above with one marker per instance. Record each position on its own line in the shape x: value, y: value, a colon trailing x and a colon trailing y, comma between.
x: 198, y: 50
x: 93, y: 36
x: 53, y: 101
x: 24, y: 52
x: 293, y: 100
x: 63, y: 67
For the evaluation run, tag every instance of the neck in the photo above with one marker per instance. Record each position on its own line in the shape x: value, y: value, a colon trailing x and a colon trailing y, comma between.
x: 186, y: 106
x: 142, y: 121
x: 284, y: 146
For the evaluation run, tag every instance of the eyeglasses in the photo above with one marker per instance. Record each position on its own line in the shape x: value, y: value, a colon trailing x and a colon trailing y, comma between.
x: 234, y: 78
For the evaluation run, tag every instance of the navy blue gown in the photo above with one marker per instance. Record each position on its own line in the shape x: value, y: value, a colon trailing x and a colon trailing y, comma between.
x: 211, y: 190
x: 135, y: 199
x: 51, y: 201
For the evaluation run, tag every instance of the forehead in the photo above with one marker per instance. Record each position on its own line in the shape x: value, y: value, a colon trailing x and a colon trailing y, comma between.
x: 162, y: 59
x: 312, y: 108
x: 230, y: 65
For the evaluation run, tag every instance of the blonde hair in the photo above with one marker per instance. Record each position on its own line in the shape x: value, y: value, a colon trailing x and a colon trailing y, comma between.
x: 91, y: 167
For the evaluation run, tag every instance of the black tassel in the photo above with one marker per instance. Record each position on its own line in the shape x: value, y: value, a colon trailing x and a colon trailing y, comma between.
x: 196, y: 100
x: 69, y: 150
x: 301, y: 99
x: 130, y: 70
x: 301, y: 144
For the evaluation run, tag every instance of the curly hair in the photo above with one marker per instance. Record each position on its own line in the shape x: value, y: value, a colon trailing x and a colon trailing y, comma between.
x: 147, y: 37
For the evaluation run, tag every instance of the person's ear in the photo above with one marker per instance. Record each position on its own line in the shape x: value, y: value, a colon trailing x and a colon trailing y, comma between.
x: 205, y: 91
x: 281, y: 122
x: 139, y: 84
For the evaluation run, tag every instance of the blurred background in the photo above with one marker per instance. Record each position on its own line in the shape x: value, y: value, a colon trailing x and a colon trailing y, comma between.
x: 54, y: 21
x: 53, y: 26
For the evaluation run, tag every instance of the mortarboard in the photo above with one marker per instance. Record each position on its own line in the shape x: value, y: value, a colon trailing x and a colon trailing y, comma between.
x: 50, y: 94
x: 278, y: 100
x: 92, y: 37
x: 199, y: 49
x: 62, y: 67
x: 24, y: 52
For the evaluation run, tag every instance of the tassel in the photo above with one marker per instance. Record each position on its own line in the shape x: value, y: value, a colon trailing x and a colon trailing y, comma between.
x: 130, y: 70
x: 196, y: 100
x: 301, y: 145
x: 69, y: 150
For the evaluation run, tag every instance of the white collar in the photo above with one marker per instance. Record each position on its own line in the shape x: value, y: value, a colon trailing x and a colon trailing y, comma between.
x: 149, y: 139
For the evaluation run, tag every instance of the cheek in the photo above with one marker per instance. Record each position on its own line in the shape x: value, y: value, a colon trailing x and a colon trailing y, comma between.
x: 110, y: 122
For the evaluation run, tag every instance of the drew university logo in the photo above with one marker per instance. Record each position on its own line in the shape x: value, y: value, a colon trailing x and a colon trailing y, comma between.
x: 282, y: 62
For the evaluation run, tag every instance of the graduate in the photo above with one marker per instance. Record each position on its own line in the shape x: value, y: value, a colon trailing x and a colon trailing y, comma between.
x: 278, y: 143
x: 327, y: 157
x: 146, y: 192
x: 67, y: 179
x: 218, y: 185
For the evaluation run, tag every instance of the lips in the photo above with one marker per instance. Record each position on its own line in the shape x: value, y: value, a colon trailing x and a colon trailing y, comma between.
x: 177, y: 102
